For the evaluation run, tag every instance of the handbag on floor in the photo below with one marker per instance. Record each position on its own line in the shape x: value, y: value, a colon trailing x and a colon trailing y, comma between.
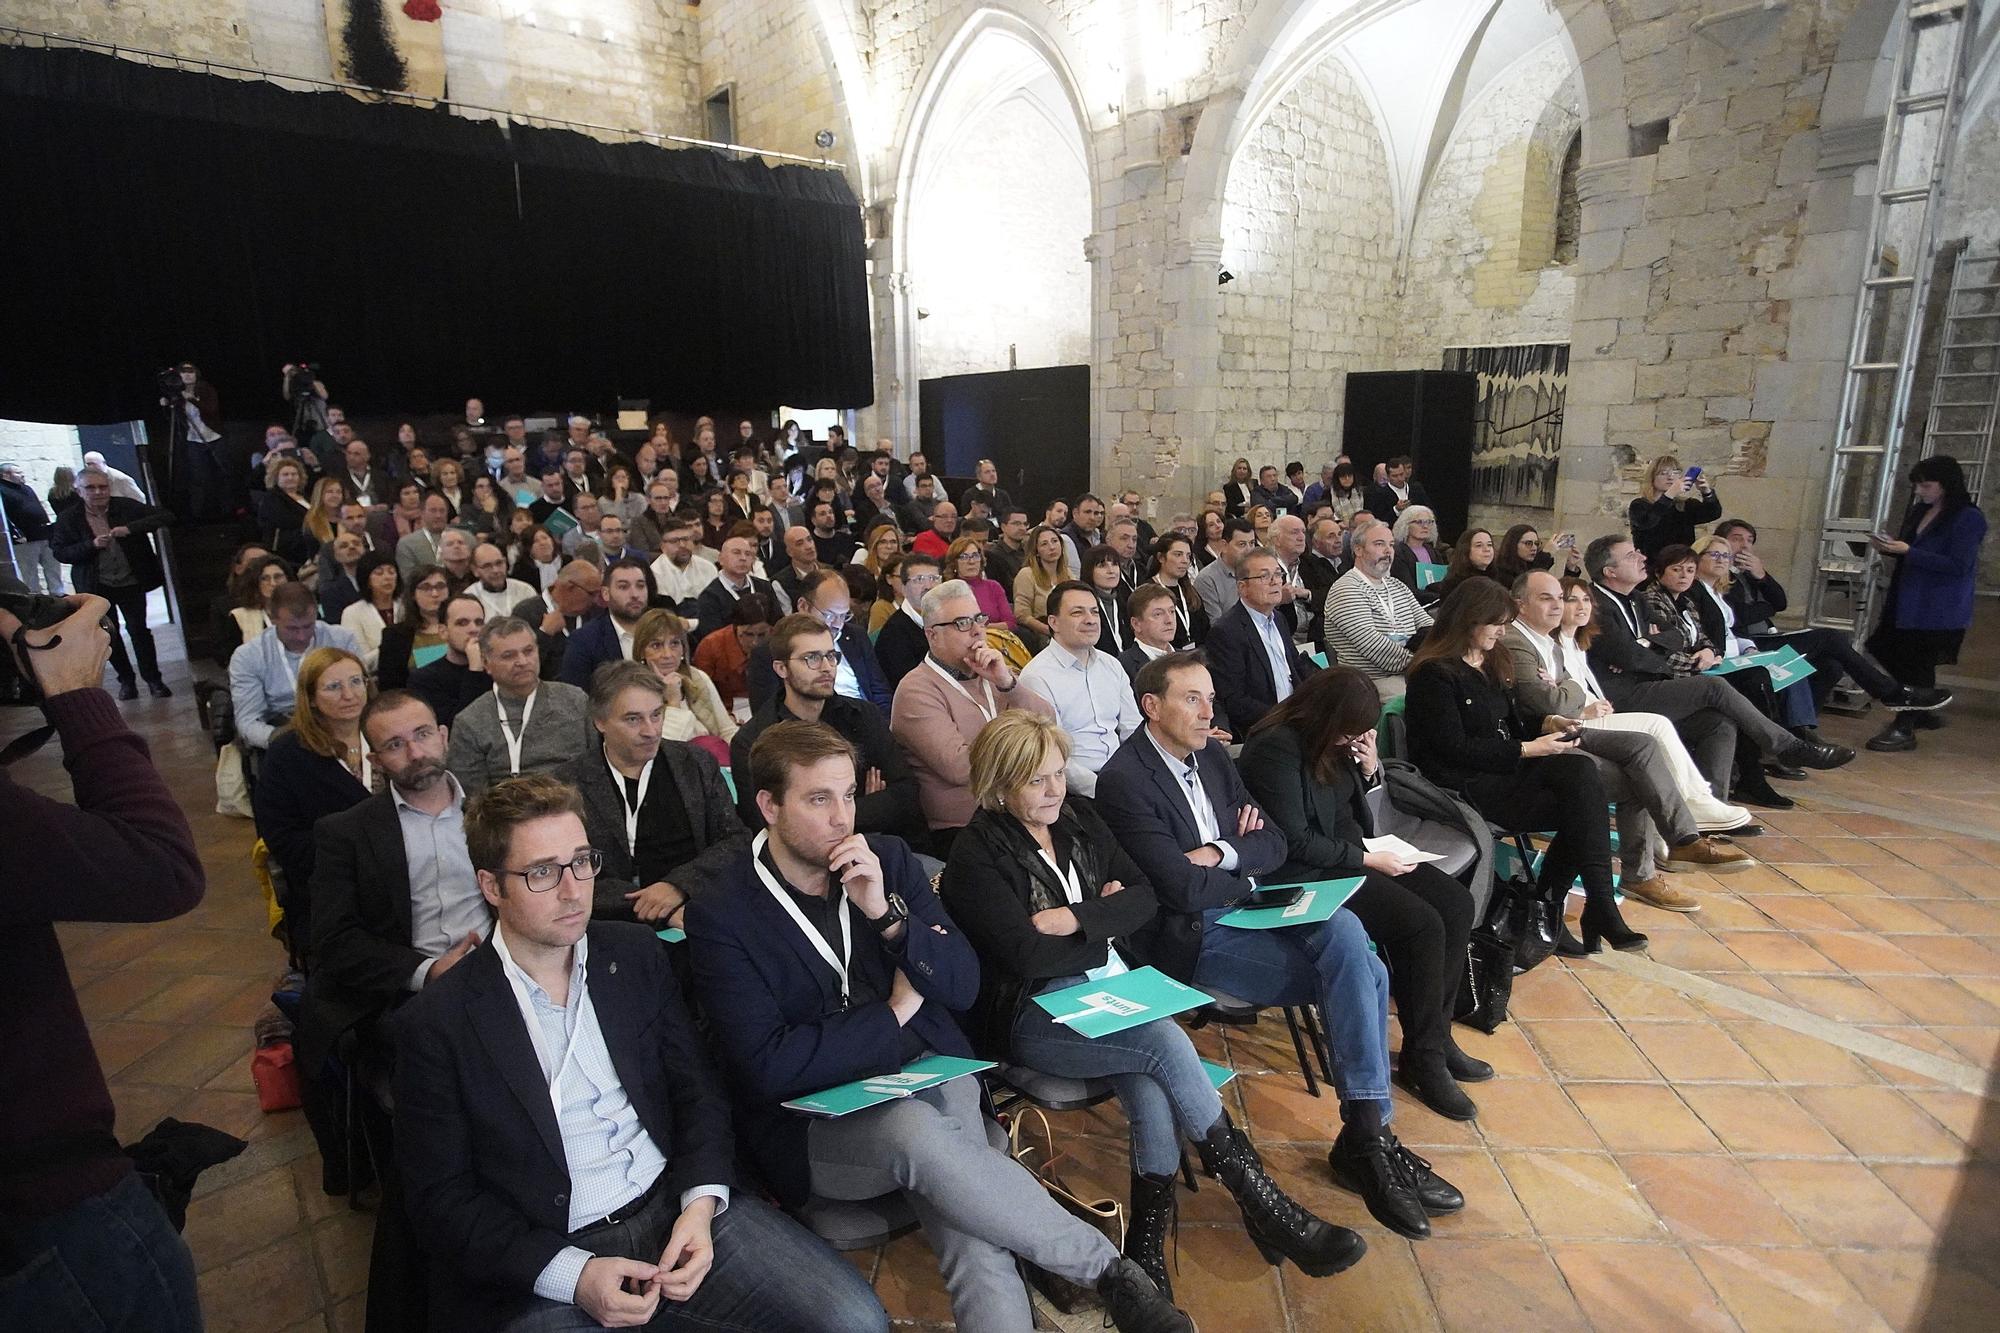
x: 1105, y: 1215
x: 1486, y: 981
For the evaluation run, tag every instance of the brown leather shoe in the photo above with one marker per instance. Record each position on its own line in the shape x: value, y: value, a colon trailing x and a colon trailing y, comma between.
x: 1716, y: 855
x: 1656, y: 892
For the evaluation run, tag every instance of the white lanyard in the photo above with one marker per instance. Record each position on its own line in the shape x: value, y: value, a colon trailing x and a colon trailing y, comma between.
x: 556, y: 1062
x: 1107, y: 608
x: 838, y: 963
x: 1180, y: 607
x: 989, y: 709
x: 630, y: 807
x: 513, y: 741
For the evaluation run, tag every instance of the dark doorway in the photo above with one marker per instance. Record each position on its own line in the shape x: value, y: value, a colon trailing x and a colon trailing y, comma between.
x: 1033, y: 424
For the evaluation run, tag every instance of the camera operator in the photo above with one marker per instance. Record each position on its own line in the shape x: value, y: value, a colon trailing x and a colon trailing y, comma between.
x: 303, y: 390
x: 195, y: 441
x: 83, y: 1242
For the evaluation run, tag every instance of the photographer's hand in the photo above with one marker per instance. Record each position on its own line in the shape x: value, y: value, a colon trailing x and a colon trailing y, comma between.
x: 77, y: 662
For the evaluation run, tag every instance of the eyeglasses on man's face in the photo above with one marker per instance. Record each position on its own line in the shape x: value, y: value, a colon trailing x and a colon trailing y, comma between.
x: 963, y: 624
x: 818, y: 658
x: 1268, y: 576
x: 545, y: 875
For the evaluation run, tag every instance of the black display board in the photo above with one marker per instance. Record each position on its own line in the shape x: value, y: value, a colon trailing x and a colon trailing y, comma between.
x: 1033, y: 424
x: 1427, y: 414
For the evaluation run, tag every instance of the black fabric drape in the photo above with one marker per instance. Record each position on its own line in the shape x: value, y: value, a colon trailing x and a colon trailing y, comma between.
x: 417, y: 256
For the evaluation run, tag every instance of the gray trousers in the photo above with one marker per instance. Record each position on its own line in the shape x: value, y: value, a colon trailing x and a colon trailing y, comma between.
x: 36, y: 565
x: 1709, y: 714
x: 978, y: 1207
x: 1641, y: 786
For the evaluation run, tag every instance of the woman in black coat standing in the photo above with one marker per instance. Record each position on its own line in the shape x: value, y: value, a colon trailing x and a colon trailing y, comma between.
x: 1463, y: 736
x: 1310, y: 763
x: 1049, y: 900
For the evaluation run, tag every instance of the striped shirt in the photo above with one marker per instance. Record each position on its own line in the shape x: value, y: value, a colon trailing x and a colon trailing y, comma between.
x: 1369, y: 621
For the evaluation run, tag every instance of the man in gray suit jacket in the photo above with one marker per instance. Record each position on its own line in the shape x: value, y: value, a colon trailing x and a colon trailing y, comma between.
x: 523, y: 724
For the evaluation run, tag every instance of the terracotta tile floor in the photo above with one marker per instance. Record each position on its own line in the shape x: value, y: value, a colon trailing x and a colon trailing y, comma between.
x: 1656, y: 1153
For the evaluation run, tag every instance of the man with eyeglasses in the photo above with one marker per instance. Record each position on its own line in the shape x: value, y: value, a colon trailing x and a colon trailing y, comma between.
x: 1250, y: 649
x: 572, y: 1167
x: 900, y: 645
x: 656, y: 809
x: 823, y: 595
x: 805, y: 658
x: 962, y: 685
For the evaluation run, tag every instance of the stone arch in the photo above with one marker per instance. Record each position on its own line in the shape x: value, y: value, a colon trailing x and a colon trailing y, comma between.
x: 932, y: 118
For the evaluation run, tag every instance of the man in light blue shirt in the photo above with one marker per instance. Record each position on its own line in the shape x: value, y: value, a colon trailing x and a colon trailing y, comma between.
x: 1090, y: 690
x: 264, y: 673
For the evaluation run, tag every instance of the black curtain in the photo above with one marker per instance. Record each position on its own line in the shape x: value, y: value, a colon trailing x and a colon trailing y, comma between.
x: 416, y: 256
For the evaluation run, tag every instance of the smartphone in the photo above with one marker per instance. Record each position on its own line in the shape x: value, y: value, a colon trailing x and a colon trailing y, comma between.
x: 1573, y: 734
x: 1566, y: 542
x: 1278, y: 895
x: 1693, y: 474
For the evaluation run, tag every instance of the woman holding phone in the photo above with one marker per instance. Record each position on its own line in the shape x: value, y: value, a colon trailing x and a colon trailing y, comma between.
x: 1050, y: 900
x: 1670, y: 506
x: 1931, y: 590
x: 1311, y: 764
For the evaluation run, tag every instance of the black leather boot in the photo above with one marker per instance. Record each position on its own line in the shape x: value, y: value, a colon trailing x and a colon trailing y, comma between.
x: 1465, y: 1068
x: 1601, y: 921
x: 1280, y: 1227
x: 1899, y: 735
x: 1155, y: 1214
x: 1427, y: 1078
x: 1368, y: 1164
x: 1438, y: 1195
x: 1136, y: 1305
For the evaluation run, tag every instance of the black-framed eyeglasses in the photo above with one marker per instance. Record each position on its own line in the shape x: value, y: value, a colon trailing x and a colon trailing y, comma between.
x: 962, y: 624
x: 819, y: 657
x: 542, y: 877
x: 1268, y: 576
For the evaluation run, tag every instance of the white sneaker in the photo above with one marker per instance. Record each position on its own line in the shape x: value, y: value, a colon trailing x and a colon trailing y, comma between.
x: 1713, y: 816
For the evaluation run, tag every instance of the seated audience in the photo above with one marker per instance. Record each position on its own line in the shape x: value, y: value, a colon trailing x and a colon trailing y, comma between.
x: 264, y: 673
x: 607, y: 637
x: 1173, y: 573
x: 899, y: 644
x: 1312, y: 766
x: 570, y: 600
x: 1044, y: 568
x: 417, y: 638
x: 833, y: 545
x: 459, y: 676
x: 339, y: 582
x: 1088, y: 688
x: 1049, y: 900
x: 1155, y: 622
x: 962, y: 685
x: 499, y: 593
x: 661, y: 841
x: 681, y: 573
x: 801, y: 561
x: 1173, y: 799
x: 1520, y: 550
x: 524, y: 724
x: 248, y: 614
x: 425, y: 546
x: 1394, y: 491
x: 694, y: 707
x: 965, y: 560
x: 725, y: 655
x: 455, y: 558
x: 1416, y: 534
x: 805, y: 658
x: 940, y: 530
x: 897, y: 977
x: 824, y: 593
x: 1103, y: 575
x: 1287, y: 541
x: 1472, y: 558
x: 733, y: 581
x: 1250, y: 650
x: 316, y: 765
x: 538, y: 557
x: 627, y: 1210
x: 1465, y: 736
x: 1370, y: 616
x: 1217, y: 580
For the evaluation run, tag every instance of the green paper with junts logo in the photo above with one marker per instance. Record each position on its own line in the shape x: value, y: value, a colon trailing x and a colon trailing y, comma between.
x: 1317, y: 902
x: 1100, y: 1008
x: 1427, y: 574
x: 912, y: 1078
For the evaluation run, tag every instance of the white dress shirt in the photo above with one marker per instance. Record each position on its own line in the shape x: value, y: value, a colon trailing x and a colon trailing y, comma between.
x: 1093, y: 702
x: 1187, y: 772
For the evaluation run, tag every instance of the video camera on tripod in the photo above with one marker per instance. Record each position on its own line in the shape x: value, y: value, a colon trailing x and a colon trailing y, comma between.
x: 307, y: 397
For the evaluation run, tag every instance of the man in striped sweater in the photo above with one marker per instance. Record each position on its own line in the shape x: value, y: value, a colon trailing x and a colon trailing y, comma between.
x: 1371, y: 616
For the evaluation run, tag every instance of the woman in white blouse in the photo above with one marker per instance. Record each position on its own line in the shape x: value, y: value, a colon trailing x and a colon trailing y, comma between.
x: 694, y: 706
x: 381, y: 586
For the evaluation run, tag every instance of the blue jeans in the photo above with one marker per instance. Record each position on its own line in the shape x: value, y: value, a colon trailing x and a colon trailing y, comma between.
x: 770, y: 1275
x: 1160, y: 1081
x: 113, y: 1261
x: 1328, y: 964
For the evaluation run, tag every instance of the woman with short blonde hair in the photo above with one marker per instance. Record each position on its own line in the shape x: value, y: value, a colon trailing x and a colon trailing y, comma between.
x: 694, y: 705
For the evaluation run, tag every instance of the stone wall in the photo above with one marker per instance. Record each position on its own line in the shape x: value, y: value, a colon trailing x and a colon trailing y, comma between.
x: 782, y: 83
x: 1309, y: 233
x: 38, y: 449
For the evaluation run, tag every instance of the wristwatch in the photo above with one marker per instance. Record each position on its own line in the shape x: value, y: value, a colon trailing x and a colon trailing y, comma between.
x: 899, y: 912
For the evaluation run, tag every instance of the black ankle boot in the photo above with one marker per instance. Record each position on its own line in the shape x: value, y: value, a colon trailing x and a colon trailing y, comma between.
x: 1899, y: 735
x: 1427, y: 1078
x: 1155, y: 1214
x: 1279, y: 1226
x: 1368, y: 1164
x: 1926, y: 721
x: 1601, y: 920
x: 1135, y: 1304
x: 1753, y: 788
x: 1465, y: 1068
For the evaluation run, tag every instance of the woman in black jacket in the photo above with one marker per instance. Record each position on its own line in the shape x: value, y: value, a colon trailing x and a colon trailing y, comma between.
x: 1310, y: 763
x: 317, y: 765
x: 1670, y: 506
x: 1462, y: 735
x: 1049, y: 899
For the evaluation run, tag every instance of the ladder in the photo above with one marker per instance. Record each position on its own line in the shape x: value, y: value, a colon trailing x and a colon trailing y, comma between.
x: 1965, y: 396
x: 1917, y: 133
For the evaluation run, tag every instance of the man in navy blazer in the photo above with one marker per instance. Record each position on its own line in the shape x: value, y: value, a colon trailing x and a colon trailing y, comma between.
x: 824, y: 593
x: 1249, y: 647
x: 1177, y: 805
x: 628, y: 586
x: 565, y: 1146
x: 826, y: 958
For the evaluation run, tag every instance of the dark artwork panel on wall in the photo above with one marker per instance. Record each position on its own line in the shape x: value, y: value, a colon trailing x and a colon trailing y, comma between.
x: 1425, y: 414
x: 416, y: 256
x: 1517, y: 424
x: 1033, y: 424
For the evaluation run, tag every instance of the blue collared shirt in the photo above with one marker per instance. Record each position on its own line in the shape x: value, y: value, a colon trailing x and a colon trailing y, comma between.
x: 1275, y: 642
x: 1094, y: 703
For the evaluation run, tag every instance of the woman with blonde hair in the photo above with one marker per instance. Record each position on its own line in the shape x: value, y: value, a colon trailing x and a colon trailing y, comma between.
x: 317, y: 765
x: 448, y: 480
x: 694, y: 706
x: 1672, y: 503
x: 1049, y: 899
x: 1046, y: 566
x: 323, y: 510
